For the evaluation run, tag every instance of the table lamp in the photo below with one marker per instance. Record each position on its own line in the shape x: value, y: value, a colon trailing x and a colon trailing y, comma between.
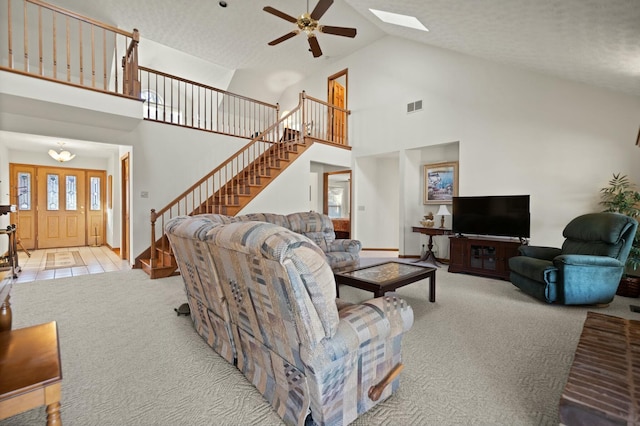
x: 442, y: 211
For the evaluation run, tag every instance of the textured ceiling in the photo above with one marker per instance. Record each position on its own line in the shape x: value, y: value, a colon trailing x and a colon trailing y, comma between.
x: 593, y: 41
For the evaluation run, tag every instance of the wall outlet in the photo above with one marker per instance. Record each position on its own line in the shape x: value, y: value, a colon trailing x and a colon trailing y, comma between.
x: 144, y: 194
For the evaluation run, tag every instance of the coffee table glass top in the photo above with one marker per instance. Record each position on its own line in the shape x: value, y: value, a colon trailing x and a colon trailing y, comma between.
x: 383, y: 272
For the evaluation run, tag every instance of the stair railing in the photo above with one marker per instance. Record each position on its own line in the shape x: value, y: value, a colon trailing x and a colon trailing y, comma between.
x: 326, y: 122
x: 56, y: 44
x: 219, y: 189
x: 226, y: 184
x: 175, y: 100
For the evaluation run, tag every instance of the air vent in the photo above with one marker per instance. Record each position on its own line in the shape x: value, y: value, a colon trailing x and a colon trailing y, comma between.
x: 414, y: 106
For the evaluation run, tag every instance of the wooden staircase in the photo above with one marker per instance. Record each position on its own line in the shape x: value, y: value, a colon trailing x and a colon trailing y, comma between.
x: 233, y: 184
x: 229, y: 200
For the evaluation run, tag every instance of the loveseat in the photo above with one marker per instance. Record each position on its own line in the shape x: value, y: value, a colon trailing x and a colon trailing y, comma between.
x: 316, y: 226
x: 264, y: 298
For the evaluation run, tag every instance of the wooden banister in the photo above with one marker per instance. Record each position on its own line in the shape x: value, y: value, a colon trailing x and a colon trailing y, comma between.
x: 79, y: 36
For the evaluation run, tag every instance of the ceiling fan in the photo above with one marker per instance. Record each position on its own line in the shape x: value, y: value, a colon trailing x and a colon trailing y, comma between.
x: 308, y: 23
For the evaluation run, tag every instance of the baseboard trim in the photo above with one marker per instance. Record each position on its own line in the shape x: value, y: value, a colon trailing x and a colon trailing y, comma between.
x: 379, y: 249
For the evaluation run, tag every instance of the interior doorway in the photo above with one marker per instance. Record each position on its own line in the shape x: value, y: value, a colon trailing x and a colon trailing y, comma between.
x: 125, y: 190
x: 337, y: 200
x: 337, y: 95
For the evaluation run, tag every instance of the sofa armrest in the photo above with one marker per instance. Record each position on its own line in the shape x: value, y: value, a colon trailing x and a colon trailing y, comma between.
x: 351, y: 246
x: 539, y: 252
x: 377, y: 319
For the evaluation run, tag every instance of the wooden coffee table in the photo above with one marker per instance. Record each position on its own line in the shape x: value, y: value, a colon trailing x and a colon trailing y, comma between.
x: 387, y: 276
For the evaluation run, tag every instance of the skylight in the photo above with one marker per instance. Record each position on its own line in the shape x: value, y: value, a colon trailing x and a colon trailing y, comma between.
x: 397, y: 19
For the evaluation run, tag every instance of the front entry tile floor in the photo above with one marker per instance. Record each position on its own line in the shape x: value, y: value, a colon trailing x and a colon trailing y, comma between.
x: 97, y: 260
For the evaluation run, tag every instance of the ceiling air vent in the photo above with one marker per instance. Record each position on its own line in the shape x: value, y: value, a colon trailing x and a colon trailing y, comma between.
x: 414, y: 106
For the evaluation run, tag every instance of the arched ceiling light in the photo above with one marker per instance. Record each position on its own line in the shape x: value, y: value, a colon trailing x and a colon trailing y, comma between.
x: 62, y: 155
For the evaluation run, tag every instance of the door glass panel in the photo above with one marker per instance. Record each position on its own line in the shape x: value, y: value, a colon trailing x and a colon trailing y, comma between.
x: 53, y: 183
x: 72, y: 194
x: 24, y: 191
x: 95, y: 193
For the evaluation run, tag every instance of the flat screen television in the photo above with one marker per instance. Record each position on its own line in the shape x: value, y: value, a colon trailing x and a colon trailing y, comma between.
x: 499, y: 215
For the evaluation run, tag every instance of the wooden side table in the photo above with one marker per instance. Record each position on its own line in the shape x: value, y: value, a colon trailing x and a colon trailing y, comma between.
x: 31, y: 371
x: 429, y: 256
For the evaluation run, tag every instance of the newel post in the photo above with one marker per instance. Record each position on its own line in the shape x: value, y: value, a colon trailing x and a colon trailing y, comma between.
x: 153, y: 260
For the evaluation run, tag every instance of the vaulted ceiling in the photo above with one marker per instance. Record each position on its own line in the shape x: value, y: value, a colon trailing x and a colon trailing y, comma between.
x: 592, y: 41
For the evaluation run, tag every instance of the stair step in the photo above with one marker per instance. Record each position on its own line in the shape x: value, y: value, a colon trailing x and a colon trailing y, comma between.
x: 158, y: 271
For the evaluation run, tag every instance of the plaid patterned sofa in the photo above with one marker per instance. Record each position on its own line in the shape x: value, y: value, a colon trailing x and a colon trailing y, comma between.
x: 264, y: 298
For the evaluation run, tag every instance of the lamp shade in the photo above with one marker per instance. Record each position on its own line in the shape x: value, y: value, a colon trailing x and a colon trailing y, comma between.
x: 443, y: 211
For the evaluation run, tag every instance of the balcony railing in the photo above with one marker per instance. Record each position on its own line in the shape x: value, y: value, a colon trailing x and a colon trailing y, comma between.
x: 52, y: 43
x: 175, y: 100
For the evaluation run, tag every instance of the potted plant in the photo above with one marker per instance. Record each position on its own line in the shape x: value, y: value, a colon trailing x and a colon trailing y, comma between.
x: 622, y: 196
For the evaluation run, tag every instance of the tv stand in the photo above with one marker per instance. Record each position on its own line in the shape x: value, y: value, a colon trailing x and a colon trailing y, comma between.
x: 483, y: 256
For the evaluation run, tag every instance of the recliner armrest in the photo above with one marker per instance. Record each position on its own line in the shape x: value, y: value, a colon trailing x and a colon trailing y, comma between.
x: 540, y: 252
x: 586, y: 260
x: 351, y: 246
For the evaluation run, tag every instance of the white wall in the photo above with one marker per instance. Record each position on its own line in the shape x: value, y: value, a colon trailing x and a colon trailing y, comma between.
x: 290, y: 191
x: 519, y: 132
x: 376, y: 201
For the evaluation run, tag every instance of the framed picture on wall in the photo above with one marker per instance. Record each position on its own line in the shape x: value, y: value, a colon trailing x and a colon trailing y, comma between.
x: 440, y: 182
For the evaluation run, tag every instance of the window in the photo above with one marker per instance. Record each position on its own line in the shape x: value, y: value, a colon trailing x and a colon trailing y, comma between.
x: 72, y: 193
x: 151, y: 97
x: 94, y: 185
x: 53, y: 183
x: 24, y: 191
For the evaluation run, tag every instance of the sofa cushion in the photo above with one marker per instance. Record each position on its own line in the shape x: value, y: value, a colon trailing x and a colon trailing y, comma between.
x: 315, y: 226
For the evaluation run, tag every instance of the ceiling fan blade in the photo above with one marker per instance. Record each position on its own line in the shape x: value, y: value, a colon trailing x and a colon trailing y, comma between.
x: 287, y: 36
x: 320, y: 9
x: 279, y: 14
x: 315, y: 46
x: 341, y: 31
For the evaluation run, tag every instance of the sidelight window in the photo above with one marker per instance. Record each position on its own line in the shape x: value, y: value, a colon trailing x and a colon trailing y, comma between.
x: 94, y: 184
x: 24, y: 191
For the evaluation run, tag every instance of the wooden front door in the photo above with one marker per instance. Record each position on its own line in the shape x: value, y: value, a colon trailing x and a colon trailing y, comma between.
x: 61, y: 207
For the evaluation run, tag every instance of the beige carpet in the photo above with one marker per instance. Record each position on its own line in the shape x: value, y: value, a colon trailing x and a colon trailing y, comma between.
x: 64, y: 259
x: 483, y: 354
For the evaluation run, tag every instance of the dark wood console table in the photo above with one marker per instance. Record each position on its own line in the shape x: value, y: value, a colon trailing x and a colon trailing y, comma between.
x: 428, y: 256
x: 482, y: 256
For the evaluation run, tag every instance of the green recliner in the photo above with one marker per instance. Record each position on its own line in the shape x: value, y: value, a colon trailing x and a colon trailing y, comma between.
x: 588, y: 268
